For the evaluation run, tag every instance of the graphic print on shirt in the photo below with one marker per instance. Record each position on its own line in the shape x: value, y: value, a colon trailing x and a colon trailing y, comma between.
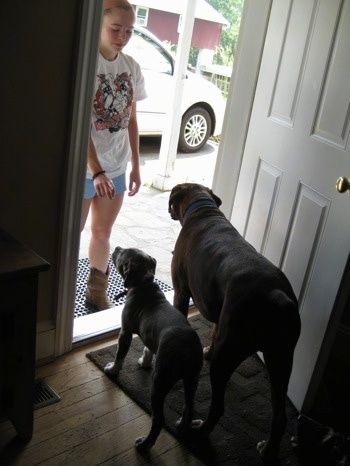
x: 113, y: 100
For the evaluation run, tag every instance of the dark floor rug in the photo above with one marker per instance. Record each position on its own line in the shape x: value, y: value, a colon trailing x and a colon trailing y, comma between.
x: 247, y: 413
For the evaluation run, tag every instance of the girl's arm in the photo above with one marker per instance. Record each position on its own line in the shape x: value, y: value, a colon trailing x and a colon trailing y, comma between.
x: 135, y: 177
x: 103, y: 185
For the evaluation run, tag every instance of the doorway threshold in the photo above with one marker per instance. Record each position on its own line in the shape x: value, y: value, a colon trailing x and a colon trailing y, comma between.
x: 98, y: 323
x: 90, y: 323
x: 102, y: 322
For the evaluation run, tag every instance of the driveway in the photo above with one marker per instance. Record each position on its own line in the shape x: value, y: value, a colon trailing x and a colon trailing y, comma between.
x: 198, y: 167
x: 144, y: 221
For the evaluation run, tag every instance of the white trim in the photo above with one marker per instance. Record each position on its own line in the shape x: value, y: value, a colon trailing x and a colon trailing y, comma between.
x: 255, y: 17
x: 45, y: 341
x: 100, y: 323
x: 142, y: 21
x: 80, y: 129
x: 203, y: 9
x: 170, y: 136
x: 179, y: 24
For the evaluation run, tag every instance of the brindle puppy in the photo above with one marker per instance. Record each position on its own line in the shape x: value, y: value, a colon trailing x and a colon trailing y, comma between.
x: 164, y: 331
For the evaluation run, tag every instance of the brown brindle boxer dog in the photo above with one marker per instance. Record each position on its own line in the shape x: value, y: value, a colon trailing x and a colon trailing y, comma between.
x: 249, y: 300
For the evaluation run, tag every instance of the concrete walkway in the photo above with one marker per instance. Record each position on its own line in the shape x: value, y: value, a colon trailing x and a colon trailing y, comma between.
x: 144, y: 221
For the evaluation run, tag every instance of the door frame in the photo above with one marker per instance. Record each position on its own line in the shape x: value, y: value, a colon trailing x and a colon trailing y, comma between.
x: 255, y: 17
x: 244, y: 78
x: 87, y: 54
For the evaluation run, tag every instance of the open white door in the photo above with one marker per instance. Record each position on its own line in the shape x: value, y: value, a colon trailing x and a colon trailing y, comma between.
x: 297, y: 146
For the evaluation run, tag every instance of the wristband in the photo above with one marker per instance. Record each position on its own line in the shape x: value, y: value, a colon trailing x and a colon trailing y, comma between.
x: 97, y: 174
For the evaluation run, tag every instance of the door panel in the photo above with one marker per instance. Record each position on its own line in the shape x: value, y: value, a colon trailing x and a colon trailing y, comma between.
x: 307, y: 224
x: 263, y: 202
x: 332, y: 117
x: 297, y: 146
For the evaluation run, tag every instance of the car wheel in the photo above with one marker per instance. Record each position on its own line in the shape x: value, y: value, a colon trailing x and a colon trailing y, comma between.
x: 195, y: 129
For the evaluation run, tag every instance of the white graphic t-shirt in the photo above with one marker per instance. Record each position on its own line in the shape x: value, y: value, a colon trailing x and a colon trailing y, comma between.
x: 118, y: 84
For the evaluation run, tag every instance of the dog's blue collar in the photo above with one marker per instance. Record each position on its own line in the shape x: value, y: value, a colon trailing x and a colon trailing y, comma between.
x: 197, y: 205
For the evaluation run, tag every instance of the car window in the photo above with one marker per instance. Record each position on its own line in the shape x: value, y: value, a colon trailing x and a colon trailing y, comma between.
x: 149, y: 55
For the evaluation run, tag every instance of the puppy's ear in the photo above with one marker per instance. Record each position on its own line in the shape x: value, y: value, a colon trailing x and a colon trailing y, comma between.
x: 215, y: 197
x: 135, y: 273
x: 127, y: 275
x: 150, y: 270
x: 136, y: 277
x: 132, y: 277
x: 153, y: 265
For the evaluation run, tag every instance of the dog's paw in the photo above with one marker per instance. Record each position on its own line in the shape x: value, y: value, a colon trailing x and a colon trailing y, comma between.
x: 144, y: 363
x: 267, y: 453
x: 196, y: 423
x: 199, y: 426
x: 142, y: 444
x: 207, y: 352
x: 111, y: 368
x: 182, y: 425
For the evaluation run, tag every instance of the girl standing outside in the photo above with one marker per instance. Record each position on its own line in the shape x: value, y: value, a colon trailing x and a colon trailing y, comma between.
x: 114, y: 141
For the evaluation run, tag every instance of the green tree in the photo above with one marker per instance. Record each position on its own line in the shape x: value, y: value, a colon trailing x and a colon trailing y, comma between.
x: 232, y: 11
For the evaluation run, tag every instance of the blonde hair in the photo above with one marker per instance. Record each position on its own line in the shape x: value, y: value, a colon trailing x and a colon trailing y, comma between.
x: 119, y: 4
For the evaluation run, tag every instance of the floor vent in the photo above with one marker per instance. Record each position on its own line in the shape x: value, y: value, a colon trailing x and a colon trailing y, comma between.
x: 44, y: 395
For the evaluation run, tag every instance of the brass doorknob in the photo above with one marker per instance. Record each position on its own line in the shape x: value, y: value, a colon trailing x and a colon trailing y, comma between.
x: 343, y: 184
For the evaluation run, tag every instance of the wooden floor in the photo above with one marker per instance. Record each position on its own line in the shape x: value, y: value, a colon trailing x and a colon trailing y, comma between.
x: 95, y: 423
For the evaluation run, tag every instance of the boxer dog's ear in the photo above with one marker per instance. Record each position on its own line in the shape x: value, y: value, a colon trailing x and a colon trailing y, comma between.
x: 176, y: 196
x: 215, y: 198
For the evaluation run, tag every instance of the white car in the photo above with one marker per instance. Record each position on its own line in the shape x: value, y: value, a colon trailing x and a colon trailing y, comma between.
x: 202, y: 106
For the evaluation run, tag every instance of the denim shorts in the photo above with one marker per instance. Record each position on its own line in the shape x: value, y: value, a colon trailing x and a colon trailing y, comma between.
x: 119, y: 184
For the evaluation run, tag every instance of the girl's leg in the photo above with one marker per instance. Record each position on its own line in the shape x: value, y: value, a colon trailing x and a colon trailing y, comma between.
x: 103, y: 215
x: 84, y: 213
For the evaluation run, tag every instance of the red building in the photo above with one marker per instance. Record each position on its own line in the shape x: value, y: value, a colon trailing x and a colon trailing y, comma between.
x: 163, y: 18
